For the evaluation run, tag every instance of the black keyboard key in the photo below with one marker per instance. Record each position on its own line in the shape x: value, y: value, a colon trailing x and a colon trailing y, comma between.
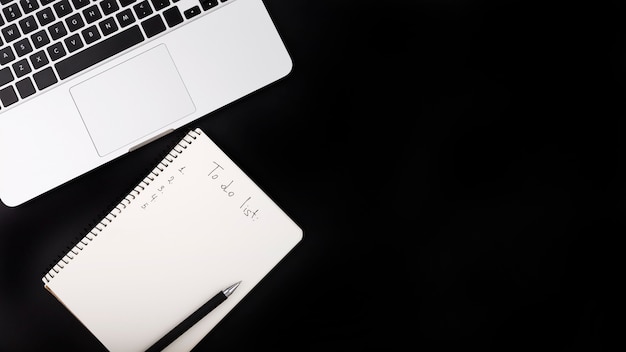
x: 207, y: 4
x: 28, y: 24
x: 73, y: 43
x: 5, y: 76
x: 79, y: 4
x: 29, y: 5
x: 74, y: 22
x: 92, y: 14
x: 99, y: 52
x: 153, y: 26
x: 4, y: 2
x: 25, y: 87
x: 6, y: 55
x: 109, y: 6
x: 108, y: 26
x: 8, y: 96
x: 22, y: 47
x: 45, y: 78
x: 12, y: 12
x: 10, y: 33
x: 125, y: 18
x: 126, y: 2
x: 21, y: 68
x: 160, y: 4
x: 39, y: 59
x: 142, y: 9
x: 90, y: 34
x: 45, y: 16
x: 40, y: 39
x: 192, y: 12
x: 57, y: 30
x: 46, y: 2
x: 56, y: 51
x: 173, y: 16
x: 62, y: 8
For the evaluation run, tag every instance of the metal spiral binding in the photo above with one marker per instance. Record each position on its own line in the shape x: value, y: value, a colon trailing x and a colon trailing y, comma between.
x: 172, y: 155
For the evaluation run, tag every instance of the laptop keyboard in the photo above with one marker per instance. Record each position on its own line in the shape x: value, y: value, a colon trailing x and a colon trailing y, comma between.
x: 43, y: 42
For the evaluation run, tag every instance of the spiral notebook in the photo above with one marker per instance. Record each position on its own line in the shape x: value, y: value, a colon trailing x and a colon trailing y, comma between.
x: 193, y: 226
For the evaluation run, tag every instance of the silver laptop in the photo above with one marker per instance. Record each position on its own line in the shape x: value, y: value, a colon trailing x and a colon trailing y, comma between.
x: 83, y: 82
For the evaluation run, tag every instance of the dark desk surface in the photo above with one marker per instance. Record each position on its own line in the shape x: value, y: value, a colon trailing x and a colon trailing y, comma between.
x: 455, y: 165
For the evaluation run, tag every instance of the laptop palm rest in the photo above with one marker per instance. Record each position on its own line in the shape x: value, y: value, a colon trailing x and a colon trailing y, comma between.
x: 132, y: 100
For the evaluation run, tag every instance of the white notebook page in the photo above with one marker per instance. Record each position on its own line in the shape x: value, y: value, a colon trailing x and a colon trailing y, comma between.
x: 191, y: 229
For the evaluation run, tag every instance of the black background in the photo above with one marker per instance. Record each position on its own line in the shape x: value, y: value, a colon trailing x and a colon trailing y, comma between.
x: 456, y: 167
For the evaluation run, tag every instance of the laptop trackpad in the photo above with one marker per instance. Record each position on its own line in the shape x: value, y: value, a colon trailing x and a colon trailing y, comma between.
x: 132, y: 100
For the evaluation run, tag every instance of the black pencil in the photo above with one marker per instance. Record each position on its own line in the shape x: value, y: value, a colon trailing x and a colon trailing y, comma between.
x: 193, y: 318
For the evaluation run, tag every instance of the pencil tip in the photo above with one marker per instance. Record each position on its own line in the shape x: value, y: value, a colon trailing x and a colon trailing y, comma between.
x: 227, y: 292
